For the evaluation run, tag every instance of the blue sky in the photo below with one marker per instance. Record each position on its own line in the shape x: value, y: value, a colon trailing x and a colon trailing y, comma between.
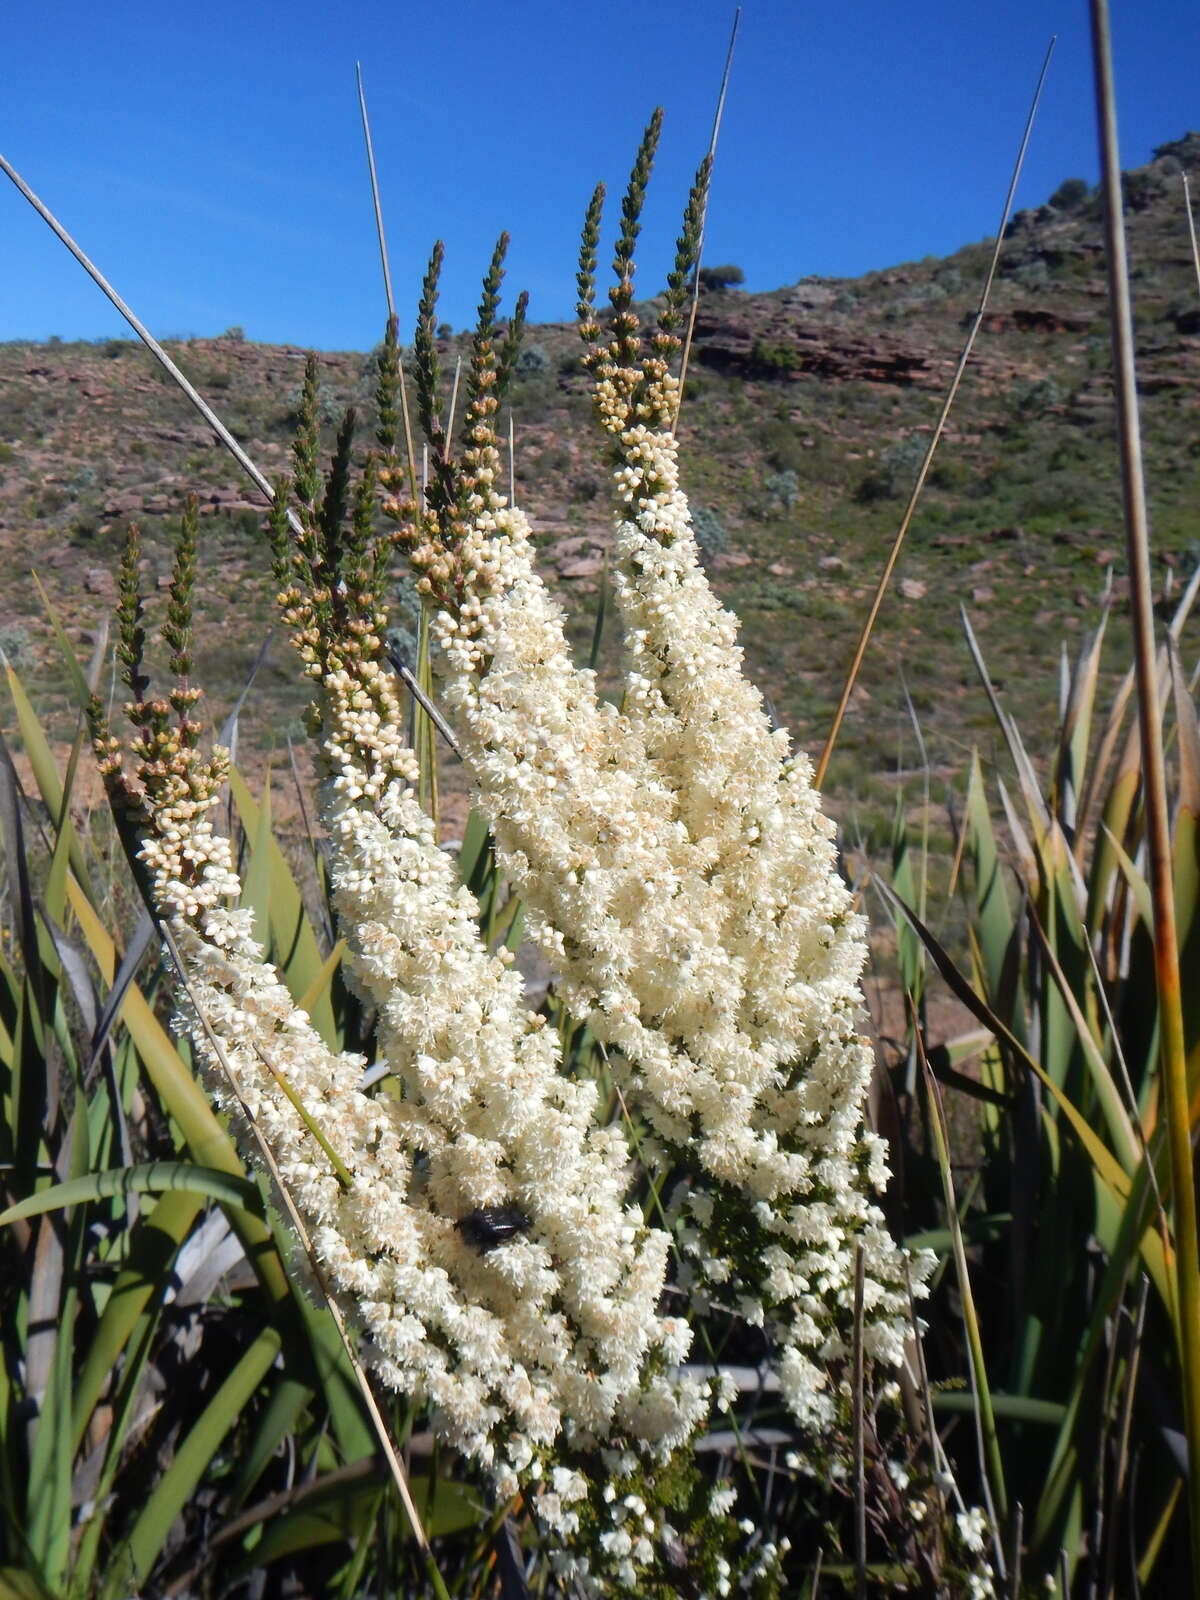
x: 209, y: 158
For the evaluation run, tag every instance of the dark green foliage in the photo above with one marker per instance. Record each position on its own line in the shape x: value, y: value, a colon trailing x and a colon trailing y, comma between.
x: 1070, y: 194
x: 718, y: 279
x: 1032, y: 396
x: 428, y: 371
x: 533, y: 362
x: 585, y: 277
x: 896, y: 472
x: 783, y: 486
x: 306, y: 441
x: 687, y: 249
x: 774, y: 358
x: 131, y: 631
x: 709, y: 530
x: 177, y: 630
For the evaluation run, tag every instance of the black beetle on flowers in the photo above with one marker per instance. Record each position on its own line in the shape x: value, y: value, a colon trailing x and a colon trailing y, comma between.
x: 489, y: 1226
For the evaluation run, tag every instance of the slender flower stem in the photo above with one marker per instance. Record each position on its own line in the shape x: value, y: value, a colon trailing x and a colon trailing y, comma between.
x: 1154, y: 788
x: 382, y: 1433
x: 860, y: 1476
x: 990, y: 1452
x: 1191, y: 222
x: 885, y: 577
x: 379, y: 233
x: 140, y: 328
x: 712, y: 150
x: 258, y: 478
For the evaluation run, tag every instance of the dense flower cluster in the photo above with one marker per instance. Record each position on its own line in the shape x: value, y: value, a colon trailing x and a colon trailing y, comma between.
x: 469, y: 1201
x: 505, y: 1342
x: 539, y: 1328
x: 683, y: 883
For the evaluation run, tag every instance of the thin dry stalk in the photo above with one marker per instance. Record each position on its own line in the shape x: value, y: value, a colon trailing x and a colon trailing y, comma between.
x: 143, y: 333
x: 1014, y: 1577
x: 387, y: 271
x: 453, y: 402
x: 379, y: 233
x: 259, y: 480
x: 990, y: 1457
x: 1191, y: 222
x: 712, y: 150
x: 860, y: 1473
x: 969, y: 344
x: 1154, y: 787
x: 377, y: 1420
x: 1120, y: 1469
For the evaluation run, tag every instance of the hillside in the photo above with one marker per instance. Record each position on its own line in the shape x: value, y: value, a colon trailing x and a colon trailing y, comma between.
x: 805, y: 418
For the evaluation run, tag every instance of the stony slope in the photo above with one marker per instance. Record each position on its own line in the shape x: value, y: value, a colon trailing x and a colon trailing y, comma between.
x: 806, y: 415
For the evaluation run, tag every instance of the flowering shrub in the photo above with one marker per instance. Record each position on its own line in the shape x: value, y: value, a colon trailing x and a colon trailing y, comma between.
x: 471, y: 1203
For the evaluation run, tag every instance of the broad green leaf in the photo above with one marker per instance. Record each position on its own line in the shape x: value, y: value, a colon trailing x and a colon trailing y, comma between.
x: 16, y: 1584
x: 134, y: 1297
x: 318, y: 989
x: 135, y: 1558
x: 1107, y: 1169
x: 208, y: 1142
x: 975, y: 1229
x: 256, y: 879
x: 152, y: 1177
x: 1186, y: 866
x: 993, y: 914
x: 45, y: 768
x: 474, y: 856
x: 1120, y: 1128
x: 298, y: 954
x: 1076, y: 732
x: 49, y: 1525
x: 1012, y: 1407
x: 1113, y: 828
x: 329, y: 1512
x: 280, y: 1417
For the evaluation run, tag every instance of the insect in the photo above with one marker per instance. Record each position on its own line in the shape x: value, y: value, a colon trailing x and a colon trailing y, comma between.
x: 488, y: 1226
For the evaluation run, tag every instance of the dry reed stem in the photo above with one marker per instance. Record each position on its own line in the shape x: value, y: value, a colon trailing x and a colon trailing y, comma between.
x: 1154, y: 787
x: 375, y: 200
x: 712, y: 150
x: 202, y: 406
x: 969, y: 344
x: 381, y: 235
x: 857, y: 1423
x: 1191, y: 222
x: 378, y: 1423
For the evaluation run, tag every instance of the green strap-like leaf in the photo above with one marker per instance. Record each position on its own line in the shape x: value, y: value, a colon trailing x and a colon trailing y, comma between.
x: 149, y: 1177
x: 16, y: 1584
x: 298, y: 953
x: 136, y: 1557
x: 208, y: 1141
